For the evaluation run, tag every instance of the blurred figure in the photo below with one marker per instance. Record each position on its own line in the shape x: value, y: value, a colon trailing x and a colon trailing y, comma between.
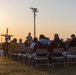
x: 72, y: 36
x: 73, y: 41
x: 10, y: 44
x: 34, y: 42
x: 26, y: 44
x: 29, y: 39
x: 49, y: 41
x: 56, y: 43
x: 67, y: 43
x: 42, y: 43
x: 14, y: 44
x: 20, y: 43
x: 5, y: 47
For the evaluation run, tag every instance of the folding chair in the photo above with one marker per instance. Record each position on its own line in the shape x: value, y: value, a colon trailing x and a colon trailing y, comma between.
x: 26, y: 50
x: 57, y: 56
x: 41, y: 55
x: 15, y: 52
x: 71, y: 56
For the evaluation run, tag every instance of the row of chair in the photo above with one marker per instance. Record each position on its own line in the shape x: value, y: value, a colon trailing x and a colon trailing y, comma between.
x: 42, y: 55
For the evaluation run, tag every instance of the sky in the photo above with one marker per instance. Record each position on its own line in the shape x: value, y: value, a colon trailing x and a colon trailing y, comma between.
x: 54, y: 16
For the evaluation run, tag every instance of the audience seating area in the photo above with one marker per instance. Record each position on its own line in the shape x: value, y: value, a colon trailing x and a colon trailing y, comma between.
x: 24, y: 54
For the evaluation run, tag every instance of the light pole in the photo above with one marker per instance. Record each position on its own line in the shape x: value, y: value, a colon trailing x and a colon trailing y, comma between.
x: 34, y: 10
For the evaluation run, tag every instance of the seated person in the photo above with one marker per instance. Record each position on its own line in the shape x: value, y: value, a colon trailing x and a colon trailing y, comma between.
x: 5, y: 47
x: 42, y: 43
x: 73, y: 41
x: 56, y: 43
x: 26, y: 44
x: 20, y: 43
x: 33, y: 43
x: 14, y: 44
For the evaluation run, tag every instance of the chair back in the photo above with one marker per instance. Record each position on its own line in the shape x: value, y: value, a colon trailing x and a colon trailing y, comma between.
x: 21, y: 50
x: 58, y: 50
x: 26, y: 49
x: 41, y: 51
x: 71, y: 50
x: 15, y: 50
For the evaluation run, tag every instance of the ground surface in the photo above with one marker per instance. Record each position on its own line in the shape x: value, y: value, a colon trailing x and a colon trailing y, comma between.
x: 9, y: 67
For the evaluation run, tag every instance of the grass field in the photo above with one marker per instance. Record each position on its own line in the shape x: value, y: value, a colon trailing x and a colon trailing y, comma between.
x: 9, y: 67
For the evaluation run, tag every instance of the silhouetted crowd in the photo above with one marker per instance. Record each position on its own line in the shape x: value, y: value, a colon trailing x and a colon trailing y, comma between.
x: 43, y: 42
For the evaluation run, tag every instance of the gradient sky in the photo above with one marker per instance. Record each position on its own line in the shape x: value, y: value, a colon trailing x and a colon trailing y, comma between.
x: 54, y: 16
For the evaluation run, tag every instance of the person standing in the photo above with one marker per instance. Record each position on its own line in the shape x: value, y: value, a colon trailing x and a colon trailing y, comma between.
x: 29, y: 39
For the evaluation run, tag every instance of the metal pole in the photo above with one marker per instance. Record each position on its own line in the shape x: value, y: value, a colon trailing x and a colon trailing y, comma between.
x: 34, y: 10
